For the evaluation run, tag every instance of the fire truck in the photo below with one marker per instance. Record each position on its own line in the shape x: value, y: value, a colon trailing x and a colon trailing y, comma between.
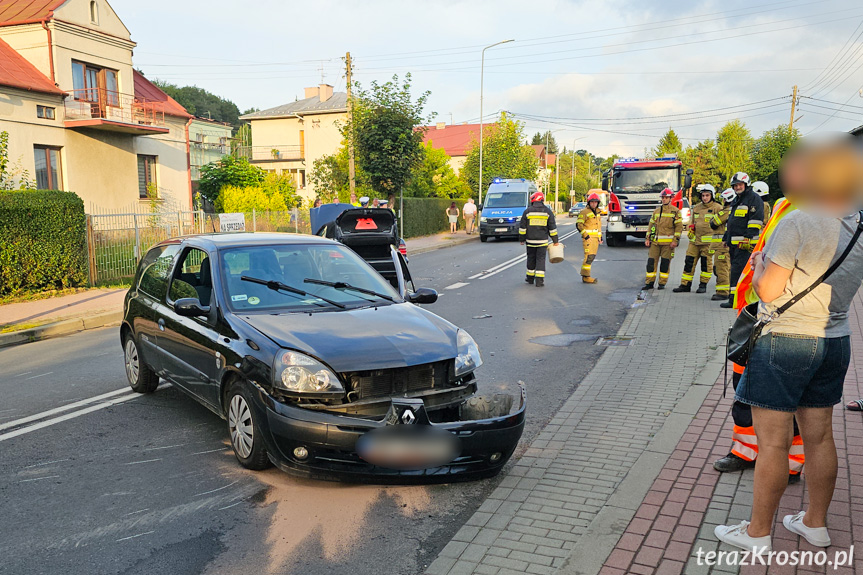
x: 634, y: 186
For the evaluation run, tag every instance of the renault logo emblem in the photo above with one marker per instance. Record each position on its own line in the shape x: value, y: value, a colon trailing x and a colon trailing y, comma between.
x: 408, y: 417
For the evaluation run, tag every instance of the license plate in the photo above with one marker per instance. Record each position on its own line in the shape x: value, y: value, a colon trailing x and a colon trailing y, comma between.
x: 640, y: 228
x: 501, y: 230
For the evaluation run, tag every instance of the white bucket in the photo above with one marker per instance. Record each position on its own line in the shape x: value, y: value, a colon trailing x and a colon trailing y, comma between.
x: 555, y: 253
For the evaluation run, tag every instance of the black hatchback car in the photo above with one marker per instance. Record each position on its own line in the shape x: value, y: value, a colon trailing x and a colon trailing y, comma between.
x: 316, y: 362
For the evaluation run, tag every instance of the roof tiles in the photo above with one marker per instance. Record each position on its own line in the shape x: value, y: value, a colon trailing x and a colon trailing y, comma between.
x: 20, y: 11
x: 17, y: 72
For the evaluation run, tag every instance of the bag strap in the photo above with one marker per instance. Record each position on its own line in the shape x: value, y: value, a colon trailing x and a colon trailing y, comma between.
x: 828, y: 273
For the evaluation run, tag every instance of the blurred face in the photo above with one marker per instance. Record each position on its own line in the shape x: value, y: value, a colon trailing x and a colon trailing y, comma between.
x: 666, y: 200
x: 593, y: 204
x: 739, y: 187
x: 824, y: 174
x: 706, y: 197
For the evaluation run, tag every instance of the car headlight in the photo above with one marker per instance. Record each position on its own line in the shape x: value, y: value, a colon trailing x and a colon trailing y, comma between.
x: 298, y: 373
x: 468, y: 358
x: 613, y: 218
x: 483, y: 219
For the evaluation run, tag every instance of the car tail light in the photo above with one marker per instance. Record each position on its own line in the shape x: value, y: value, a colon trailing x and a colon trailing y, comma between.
x: 403, y: 249
x: 614, y: 204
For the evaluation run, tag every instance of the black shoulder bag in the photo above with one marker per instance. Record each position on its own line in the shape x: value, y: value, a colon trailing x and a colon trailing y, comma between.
x: 747, y: 328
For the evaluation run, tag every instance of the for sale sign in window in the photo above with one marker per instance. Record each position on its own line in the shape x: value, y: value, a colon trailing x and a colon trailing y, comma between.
x: 232, y: 222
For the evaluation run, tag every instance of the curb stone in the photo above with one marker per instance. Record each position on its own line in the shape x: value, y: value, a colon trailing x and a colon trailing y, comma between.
x: 59, y: 328
x: 446, y: 244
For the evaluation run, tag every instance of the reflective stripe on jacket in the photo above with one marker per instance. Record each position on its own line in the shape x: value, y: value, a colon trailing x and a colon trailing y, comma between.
x: 537, y: 225
x: 589, y: 223
x: 666, y: 224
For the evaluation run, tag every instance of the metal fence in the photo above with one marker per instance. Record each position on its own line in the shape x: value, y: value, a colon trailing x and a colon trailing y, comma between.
x: 115, y: 242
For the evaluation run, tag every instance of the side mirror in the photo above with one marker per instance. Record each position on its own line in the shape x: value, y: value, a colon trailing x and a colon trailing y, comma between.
x: 423, y: 295
x: 687, y: 181
x: 190, y: 307
x: 605, y: 182
x: 479, y: 207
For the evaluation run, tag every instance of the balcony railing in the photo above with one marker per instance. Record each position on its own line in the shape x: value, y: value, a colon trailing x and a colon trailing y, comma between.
x: 97, y: 104
x: 269, y: 153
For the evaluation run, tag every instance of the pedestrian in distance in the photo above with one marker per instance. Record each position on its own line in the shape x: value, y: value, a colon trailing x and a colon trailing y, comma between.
x: 719, y: 252
x: 701, y: 240
x: 354, y: 201
x: 745, y: 221
x: 589, y: 225
x: 452, y: 213
x: 663, y: 237
x: 536, y: 229
x: 317, y: 203
x: 469, y: 213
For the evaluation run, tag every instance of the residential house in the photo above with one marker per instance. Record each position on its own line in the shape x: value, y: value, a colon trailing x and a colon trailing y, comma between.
x: 209, y: 140
x: 456, y: 140
x: 79, y: 117
x: 288, y: 139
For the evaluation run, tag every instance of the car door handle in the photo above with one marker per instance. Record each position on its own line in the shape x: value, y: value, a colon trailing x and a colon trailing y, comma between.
x: 161, y: 325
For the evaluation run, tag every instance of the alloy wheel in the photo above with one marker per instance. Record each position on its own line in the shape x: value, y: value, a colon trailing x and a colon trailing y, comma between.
x: 132, y: 365
x: 240, y: 425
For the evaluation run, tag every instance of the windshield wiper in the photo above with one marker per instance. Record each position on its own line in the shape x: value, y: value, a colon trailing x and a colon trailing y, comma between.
x: 279, y: 286
x: 346, y: 286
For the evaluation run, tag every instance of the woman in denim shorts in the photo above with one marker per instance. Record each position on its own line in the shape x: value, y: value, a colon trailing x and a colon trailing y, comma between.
x: 798, y: 365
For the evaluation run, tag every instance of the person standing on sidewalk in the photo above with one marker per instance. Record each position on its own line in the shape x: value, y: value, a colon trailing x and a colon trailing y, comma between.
x: 589, y: 224
x: 744, y: 223
x: 452, y: 214
x: 666, y: 227
x: 469, y: 213
x: 536, y: 229
x: 700, y: 242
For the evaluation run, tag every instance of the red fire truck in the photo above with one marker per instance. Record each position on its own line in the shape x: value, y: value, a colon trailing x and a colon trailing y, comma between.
x: 634, y: 186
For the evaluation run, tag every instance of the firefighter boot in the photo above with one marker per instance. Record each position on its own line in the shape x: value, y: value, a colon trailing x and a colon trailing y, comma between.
x: 588, y: 280
x: 718, y: 297
x: 682, y: 289
x: 702, y: 288
x: 729, y: 303
x: 528, y: 279
x: 540, y: 282
x: 732, y: 462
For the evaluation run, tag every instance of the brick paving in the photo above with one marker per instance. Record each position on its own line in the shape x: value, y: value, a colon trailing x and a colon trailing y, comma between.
x: 688, y: 498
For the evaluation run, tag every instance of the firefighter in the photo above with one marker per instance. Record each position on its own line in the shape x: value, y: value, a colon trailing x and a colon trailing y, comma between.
x: 536, y: 228
x: 700, y: 242
x: 763, y: 191
x: 718, y: 252
x: 744, y: 223
x: 589, y: 224
x: 666, y: 226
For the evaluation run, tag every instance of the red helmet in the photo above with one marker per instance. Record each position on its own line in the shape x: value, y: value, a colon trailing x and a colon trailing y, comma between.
x: 666, y: 193
x: 593, y: 197
x: 537, y: 197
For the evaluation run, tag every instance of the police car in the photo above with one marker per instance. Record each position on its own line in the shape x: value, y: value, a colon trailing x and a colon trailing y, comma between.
x: 504, y: 205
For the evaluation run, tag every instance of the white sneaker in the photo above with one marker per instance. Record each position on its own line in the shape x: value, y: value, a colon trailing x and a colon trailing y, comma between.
x: 738, y: 536
x: 817, y: 536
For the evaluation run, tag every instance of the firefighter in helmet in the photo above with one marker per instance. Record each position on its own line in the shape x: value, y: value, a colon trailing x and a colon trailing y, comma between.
x: 718, y: 252
x: 589, y: 224
x: 666, y: 226
x: 700, y: 242
x: 537, y: 227
x: 763, y: 191
x: 744, y: 223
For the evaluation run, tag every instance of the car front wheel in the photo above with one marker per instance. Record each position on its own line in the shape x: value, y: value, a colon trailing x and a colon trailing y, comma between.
x: 244, y: 429
x: 141, y: 377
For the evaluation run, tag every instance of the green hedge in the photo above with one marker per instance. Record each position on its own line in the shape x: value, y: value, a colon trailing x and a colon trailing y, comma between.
x: 426, y: 216
x: 42, y: 241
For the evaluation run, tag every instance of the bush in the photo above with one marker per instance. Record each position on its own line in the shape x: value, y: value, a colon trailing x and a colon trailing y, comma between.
x: 426, y: 216
x: 242, y: 200
x: 42, y: 241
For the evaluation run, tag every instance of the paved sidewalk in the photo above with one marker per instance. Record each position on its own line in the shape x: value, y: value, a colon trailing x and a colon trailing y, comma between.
x: 438, y: 241
x: 79, y: 305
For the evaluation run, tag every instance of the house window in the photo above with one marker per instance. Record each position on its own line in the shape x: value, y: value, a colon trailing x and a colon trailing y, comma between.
x: 45, y: 112
x: 96, y: 85
x: 147, y: 177
x: 94, y: 13
x: 48, y: 172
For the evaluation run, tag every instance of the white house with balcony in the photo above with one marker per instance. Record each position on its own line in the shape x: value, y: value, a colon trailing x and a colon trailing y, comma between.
x: 79, y: 117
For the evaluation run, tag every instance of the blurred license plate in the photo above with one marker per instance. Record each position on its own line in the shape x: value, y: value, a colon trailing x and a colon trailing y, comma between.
x: 501, y: 229
x: 640, y: 228
x: 408, y: 447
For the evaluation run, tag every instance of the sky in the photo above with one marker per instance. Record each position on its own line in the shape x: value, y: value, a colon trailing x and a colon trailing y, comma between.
x: 609, y: 76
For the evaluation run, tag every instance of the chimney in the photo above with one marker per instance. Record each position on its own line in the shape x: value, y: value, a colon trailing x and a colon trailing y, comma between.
x: 440, y: 125
x: 325, y: 91
x: 312, y: 92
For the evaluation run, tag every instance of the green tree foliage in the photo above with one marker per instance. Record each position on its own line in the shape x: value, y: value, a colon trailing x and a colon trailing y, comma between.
x: 539, y: 139
x: 329, y: 175
x: 200, y: 102
x: 733, y: 147
x: 386, y: 143
x: 668, y: 144
x: 12, y: 176
x: 434, y: 177
x: 235, y: 199
x: 702, y: 159
x: 767, y: 152
x: 575, y: 175
x: 229, y: 171
x: 504, y: 155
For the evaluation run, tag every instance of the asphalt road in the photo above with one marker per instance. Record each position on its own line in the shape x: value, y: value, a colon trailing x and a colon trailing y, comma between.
x: 128, y: 484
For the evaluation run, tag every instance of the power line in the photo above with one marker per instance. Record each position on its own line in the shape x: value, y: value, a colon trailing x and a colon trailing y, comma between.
x: 815, y: 81
x: 829, y: 102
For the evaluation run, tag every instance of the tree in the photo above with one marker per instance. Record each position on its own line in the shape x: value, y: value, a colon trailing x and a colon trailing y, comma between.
x: 329, y: 176
x: 767, y: 152
x: 200, y: 102
x: 702, y: 159
x: 229, y: 171
x: 733, y: 144
x: 504, y: 155
x: 539, y: 139
x: 575, y: 175
x: 668, y: 145
x: 386, y: 143
x: 433, y: 177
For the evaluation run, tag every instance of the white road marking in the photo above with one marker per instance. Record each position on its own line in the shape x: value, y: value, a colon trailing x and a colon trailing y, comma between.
x: 210, y: 451
x: 229, y: 506
x: 506, y: 265
x: 166, y: 447
x: 144, y: 461
x: 39, y: 478
x: 214, y: 490
x: 457, y: 285
x: 47, y: 463
x: 40, y: 375
x: 133, y: 536
x: 25, y: 373
x: 57, y: 410
x: 139, y: 511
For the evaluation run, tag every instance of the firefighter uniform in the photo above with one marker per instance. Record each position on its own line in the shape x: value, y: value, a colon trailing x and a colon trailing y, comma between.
x: 744, y: 223
x: 767, y: 214
x: 719, y: 253
x: 589, y: 224
x: 666, y: 226
x: 701, y: 242
x: 537, y: 227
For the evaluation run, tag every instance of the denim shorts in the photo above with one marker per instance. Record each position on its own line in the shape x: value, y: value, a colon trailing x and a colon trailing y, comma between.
x: 787, y: 371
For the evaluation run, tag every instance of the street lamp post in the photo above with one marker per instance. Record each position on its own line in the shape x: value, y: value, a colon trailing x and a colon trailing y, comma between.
x: 572, y: 168
x: 481, y: 81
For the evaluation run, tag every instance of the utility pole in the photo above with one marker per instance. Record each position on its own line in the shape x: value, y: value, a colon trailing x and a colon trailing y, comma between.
x: 556, y: 178
x: 793, y: 109
x: 351, y: 170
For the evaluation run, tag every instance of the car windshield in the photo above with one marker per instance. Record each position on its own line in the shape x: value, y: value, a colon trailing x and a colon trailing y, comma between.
x: 651, y: 180
x: 291, y: 265
x: 505, y: 199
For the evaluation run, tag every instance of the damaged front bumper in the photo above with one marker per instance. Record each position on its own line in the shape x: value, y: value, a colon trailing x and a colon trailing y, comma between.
x: 325, y: 445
